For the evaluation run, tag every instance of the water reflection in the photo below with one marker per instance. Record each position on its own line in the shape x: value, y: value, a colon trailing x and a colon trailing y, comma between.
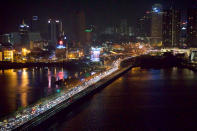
x: 8, y: 81
x: 49, y: 79
x: 135, y: 72
x: 22, y: 87
x: 148, y: 97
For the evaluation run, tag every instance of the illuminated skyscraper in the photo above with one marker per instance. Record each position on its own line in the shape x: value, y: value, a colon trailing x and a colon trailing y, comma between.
x: 156, y: 25
x: 123, y: 27
x: 23, y: 30
x: 171, y: 28
x: 192, y: 27
x: 54, y: 31
x: 144, y: 25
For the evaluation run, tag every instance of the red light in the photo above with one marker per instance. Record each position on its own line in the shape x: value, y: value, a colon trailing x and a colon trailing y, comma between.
x: 61, y: 42
x: 147, y: 12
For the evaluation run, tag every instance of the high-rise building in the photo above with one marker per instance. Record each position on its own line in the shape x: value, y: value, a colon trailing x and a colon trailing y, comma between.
x: 130, y: 31
x: 156, y: 25
x: 54, y: 31
x: 15, y: 39
x: 183, y: 39
x: 144, y: 25
x: 123, y: 27
x: 109, y: 30
x: 34, y: 36
x: 88, y: 34
x: 35, y: 25
x: 171, y: 28
x: 23, y: 30
x: 81, y: 26
x: 5, y: 38
x: 192, y: 27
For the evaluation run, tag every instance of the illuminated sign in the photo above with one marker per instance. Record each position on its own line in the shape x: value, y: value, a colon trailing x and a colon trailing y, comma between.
x: 88, y: 30
x: 95, y: 54
x: 61, y: 47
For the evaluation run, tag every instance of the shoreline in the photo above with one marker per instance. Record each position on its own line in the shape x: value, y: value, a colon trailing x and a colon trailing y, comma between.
x: 14, y: 65
x: 35, y: 114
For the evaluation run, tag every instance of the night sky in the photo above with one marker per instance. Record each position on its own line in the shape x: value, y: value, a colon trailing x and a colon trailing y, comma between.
x: 97, y: 12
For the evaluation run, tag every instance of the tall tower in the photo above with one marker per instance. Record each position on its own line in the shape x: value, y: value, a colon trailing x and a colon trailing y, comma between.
x: 35, y: 25
x: 156, y: 25
x: 23, y: 30
x: 81, y: 26
x: 144, y: 25
x: 192, y: 27
x: 54, y: 31
x: 123, y: 27
x: 171, y: 28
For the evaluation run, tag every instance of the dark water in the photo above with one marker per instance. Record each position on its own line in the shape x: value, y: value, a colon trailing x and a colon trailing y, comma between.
x: 142, y: 99
x: 22, y: 87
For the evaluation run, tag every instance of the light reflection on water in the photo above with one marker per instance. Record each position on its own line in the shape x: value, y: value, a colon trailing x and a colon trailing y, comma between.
x: 22, y: 87
x: 150, y: 97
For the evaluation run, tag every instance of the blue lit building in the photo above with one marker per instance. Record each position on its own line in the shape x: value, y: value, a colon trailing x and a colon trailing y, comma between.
x: 23, y: 30
x: 35, y: 24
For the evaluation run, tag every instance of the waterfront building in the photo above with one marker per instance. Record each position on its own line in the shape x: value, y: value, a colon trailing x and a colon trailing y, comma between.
x: 1, y: 56
x: 171, y: 28
x: 8, y: 55
x: 7, y: 52
x: 75, y: 54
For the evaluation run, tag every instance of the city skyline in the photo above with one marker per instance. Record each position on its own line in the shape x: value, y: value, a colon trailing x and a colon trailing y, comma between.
x: 98, y: 65
x: 98, y: 13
